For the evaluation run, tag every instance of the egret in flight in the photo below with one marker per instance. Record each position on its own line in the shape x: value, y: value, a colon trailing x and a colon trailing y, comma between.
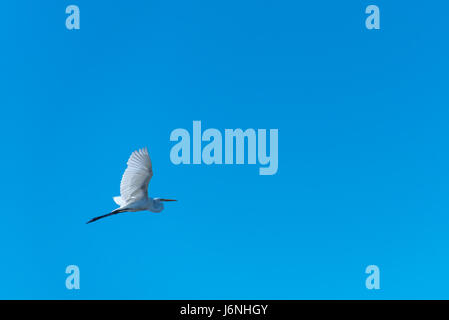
x: 134, y: 187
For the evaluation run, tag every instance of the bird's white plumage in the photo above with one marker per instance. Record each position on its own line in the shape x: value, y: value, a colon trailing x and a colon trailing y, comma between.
x: 134, y: 187
x: 119, y: 201
x: 134, y: 184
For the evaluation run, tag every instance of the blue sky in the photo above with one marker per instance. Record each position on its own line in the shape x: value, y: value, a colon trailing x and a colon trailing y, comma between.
x: 363, y: 159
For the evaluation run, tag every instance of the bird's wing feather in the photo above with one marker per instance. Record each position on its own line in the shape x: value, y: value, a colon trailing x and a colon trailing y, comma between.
x: 134, y: 184
x: 119, y: 201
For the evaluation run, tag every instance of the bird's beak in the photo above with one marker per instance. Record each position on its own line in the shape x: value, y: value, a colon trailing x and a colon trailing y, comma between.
x: 167, y: 200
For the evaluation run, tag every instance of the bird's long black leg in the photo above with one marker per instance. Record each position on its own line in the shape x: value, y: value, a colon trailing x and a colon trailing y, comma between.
x: 105, y: 215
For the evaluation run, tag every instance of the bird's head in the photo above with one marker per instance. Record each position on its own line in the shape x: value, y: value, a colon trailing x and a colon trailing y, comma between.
x: 158, y: 204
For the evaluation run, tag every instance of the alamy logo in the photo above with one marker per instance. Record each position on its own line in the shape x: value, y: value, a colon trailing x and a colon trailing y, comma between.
x: 373, y: 280
x: 73, y: 280
x: 73, y: 20
x: 373, y: 20
x: 234, y: 139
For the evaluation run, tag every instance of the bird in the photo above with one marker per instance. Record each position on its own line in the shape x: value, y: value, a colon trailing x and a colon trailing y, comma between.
x: 134, y: 187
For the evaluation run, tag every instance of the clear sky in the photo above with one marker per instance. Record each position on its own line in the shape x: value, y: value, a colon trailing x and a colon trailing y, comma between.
x: 363, y: 149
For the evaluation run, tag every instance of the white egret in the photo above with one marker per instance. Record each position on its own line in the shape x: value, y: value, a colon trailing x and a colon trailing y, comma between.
x: 134, y: 187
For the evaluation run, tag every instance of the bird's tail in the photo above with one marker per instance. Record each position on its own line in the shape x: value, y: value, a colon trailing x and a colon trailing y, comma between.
x: 106, y: 215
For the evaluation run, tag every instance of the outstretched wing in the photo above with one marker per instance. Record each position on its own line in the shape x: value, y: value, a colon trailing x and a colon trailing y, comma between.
x: 134, y: 184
